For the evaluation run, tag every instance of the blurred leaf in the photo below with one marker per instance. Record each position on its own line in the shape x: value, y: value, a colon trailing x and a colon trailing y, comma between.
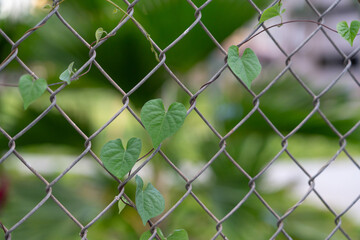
x: 31, y: 90
x: 47, y: 6
x: 98, y: 34
x: 149, y: 202
x: 121, y: 206
x: 179, y: 234
x: 66, y: 75
x: 146, y: 235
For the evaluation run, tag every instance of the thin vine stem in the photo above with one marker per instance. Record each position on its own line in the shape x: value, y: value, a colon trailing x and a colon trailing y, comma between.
x: 287, y: 22
x: 146, y: 33
x: 156, y: 55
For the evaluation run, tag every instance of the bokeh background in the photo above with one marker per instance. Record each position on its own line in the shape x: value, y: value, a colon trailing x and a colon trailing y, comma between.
x: 52, y: 144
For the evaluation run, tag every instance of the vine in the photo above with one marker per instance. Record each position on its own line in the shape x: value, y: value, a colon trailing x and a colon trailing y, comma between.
x: 120, y: 161
x: 161, y: 124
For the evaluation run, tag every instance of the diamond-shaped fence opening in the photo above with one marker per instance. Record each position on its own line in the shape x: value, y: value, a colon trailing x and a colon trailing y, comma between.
x: 277, y: 161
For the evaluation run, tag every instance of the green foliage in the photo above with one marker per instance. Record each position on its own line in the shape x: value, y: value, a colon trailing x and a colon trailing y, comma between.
x: 272, y: 12
x: 66, y: 75
x: 146, y: 235
x: 98, y: 34
x: 347, y: 33
x: 121, y: 206
x: 118, y: 160
x: 149, y: 202
x: 47, y: 7
x: 179, y: 234
x: 161, y: 124
x: 247, y: 68
x: 30, y: 89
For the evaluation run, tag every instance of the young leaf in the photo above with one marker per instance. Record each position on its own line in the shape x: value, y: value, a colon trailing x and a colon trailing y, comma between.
x: 66, y: 75
x: 247, y: 68
x: 179, y: 234
x: 161, y: 124
x: 70, y: 67
x: 98, y: 34
x: 118, y: 160
x: 347, y: 33
x: 271, y: 12
x: 47, y: 6
x: 146, y: 235
x: 149, y: 202
x: 31, y: 90
x: 121, y: 206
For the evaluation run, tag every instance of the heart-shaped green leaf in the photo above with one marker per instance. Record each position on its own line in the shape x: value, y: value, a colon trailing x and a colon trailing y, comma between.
x: 271, y: 12
x: 247, y: 68
x: 179, y: 234
x: 149, y: 202
x: 161, y: 124
x: 146, y: 235
x: 347, y: 33
x: 31, y: 90
x: 118, y: 160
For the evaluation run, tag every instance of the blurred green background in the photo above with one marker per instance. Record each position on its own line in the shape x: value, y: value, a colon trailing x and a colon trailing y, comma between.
x: 91, y: 101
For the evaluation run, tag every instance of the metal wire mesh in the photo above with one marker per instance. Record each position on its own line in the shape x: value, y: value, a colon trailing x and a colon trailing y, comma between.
x: 193, y: 110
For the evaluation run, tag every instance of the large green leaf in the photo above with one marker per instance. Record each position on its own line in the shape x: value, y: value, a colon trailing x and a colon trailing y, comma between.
x: 149, y: 202
x: 247, y: 68
x: 347, y: 33
x: 161, y: 124
x: 118, y: 160
x: 31, y: 90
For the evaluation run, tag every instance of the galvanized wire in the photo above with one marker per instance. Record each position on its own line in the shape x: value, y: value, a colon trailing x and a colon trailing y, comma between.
x: 193, y: 109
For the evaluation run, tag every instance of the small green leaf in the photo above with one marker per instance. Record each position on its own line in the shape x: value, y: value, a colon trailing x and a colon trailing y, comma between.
x: 121, y: 206
x: 247, y: 68
x: 146, y: 235
x: 70, y: 67
x: 179, y: 234
x: 47, y: 6
x: 149, y: 202
x: 98, y: 34
x: 161, y: 124
x: 347, y: 33
x: 66, y: 75
x: 31, y: 90
x: 271, y: 12
x: 118, y: 160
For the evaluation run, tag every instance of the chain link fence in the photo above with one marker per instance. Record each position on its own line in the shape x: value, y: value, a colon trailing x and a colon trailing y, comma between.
x: 338, y: 229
